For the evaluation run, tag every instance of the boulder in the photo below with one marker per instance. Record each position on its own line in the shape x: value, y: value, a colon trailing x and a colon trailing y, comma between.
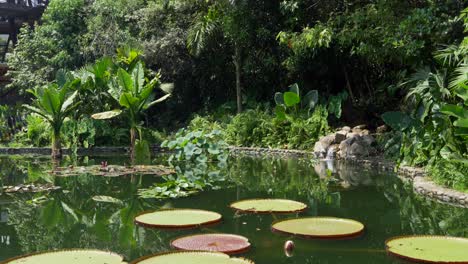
x: 327, y: 140
x: 365, y: 132
x: 352, y: 135
x: 358, y: 149
x: 320, y: 150
x: 344, y: 147
x: 340, y: 136
x: 368, y: 140
x: 360, y: 127
x: 346, y: 128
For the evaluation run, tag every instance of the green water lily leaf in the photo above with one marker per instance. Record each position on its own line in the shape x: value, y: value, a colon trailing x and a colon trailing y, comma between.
x: 78, y: 256
x: 189, y: 257
x: 430, y: 249
x: 269, y: 206
x: 107, y: 115
x: 178, y: 218
x: 225, y: 243
x: 320, y: 227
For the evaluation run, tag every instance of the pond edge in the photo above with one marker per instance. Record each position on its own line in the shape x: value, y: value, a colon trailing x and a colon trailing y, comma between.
x: 418, y: 176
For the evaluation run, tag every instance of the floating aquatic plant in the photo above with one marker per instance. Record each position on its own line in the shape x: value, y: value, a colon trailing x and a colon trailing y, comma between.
x: 192, y: 257
x: 75, y: 256
x: 320, y: 227
x: 225, y: 243
x: 269, y: 206
x: 429, y: 249
x: 113, y: 170
x: 177, y: 218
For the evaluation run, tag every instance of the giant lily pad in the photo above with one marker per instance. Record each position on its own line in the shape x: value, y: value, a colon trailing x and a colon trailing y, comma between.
x: 430, y: 249
x: 320, y: 227
x: 78, y: 256
x: 113, y: 170
x: 225, y: 243
x: 192, y: 257
x: 269, y: 206
x: 177, y: 218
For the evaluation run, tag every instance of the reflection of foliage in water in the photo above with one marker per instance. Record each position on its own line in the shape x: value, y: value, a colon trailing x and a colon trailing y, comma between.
x: 47, y: 224
x: 287, y: 178
x: 421, y: 216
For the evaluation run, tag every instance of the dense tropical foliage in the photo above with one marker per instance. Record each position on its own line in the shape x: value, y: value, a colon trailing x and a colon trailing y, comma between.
x: 277, y: 74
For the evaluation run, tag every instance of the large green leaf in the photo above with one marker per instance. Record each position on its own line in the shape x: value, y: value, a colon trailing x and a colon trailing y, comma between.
x: 291, y: 99
x: 295, y: 89
x: 279, y: 99
x: 107, y: 115
x: 138, y: 76
x: 320, y: 227
x: 75, y: 256
x: 398, y: 120
x: 269, y: 206
x: 50, y: 100
x: 463, y: 122
x: 311, y: 99
x: 128, y: 100
x: 160, y: 100
x: 178, y: 218
x: 454, y: 110
x: 125, y: 80
x: 69, y: 101
x: 187, y: 257
x: 430, y: 249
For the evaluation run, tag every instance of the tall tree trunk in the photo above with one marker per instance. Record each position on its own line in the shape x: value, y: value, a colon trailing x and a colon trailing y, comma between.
x: 133, y: 135
x: 56, y: 146
x: 237, y: 62
x: 348, y: 85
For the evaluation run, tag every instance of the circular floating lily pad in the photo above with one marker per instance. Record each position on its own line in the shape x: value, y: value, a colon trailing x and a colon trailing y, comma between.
x: 430, y: 249
x: 225, y: 243
x: 320, y: 227
x: 78, y: 256
x: 177, y: 218
x: 192, y: 257
x: 269, y: 206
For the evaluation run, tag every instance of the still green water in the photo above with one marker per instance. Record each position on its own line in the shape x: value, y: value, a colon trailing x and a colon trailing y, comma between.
x: 70, y: 218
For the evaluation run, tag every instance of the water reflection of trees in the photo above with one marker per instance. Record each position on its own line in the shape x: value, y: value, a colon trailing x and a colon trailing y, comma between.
x: 70, y: 218
x: 420, y: 215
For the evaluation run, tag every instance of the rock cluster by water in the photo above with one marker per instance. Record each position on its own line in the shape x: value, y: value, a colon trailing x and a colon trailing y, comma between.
x: 346, y: 142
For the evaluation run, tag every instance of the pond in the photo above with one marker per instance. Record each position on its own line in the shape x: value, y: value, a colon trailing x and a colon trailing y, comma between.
x: 70, y: 218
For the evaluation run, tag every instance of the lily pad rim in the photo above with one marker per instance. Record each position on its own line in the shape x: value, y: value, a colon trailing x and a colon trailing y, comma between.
x: 232, y: 252
x: 387, y: 248
x: 62, y: 250
x: 177, y: 227
x: 306, y: 207
x: 139, y: 260
x: 330, y: 237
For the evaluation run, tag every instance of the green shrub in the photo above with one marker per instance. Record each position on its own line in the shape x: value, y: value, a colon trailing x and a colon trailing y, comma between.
x: 257, y: 128
x: 37, y: 133
x: 451, y: 174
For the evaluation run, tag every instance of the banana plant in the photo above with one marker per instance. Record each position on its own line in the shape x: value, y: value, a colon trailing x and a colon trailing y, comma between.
x: 54, y: 103
x: 134, y: 93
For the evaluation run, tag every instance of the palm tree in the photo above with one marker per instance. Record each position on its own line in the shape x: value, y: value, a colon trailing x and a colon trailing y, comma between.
x: 54, y: 103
